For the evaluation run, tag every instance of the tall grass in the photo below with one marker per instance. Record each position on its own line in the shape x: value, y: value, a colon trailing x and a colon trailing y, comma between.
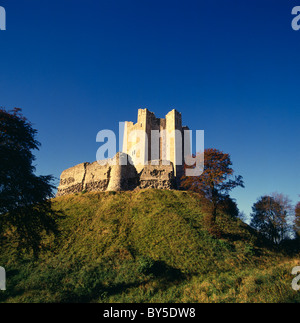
x: 146, y: 246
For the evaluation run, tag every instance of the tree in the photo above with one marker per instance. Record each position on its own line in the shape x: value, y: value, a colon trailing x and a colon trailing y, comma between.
x: 242, y: 216
x: 269, y: 217
x: 216, y: 181
x: 297, y: 220
x: 25, y: 206
x: 229, y: 206
x: 287, y: 214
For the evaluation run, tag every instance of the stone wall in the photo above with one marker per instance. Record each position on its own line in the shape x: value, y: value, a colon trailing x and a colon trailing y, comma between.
x: 157, y: 175
x: 137, y: 142
x: 71, y: 180
x: 85, y: 176
x: 96, y: 177
x: 138, y: 146
x: 103, y: 176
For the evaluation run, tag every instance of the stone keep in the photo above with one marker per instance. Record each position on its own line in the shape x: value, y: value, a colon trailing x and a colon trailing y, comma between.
x: 172, y: 137
x: 157, y: 172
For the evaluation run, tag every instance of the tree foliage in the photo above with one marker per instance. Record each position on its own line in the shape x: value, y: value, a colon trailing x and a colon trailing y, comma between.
x: 216, y: 181
x: 297, y: 220
x: 25, y: 205
x: 269, y: 216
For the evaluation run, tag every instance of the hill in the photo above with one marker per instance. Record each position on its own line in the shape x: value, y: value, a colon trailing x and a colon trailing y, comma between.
x: 146, y: 246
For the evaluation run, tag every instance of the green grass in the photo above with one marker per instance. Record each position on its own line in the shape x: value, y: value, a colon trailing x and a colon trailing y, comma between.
x: 146, y: 246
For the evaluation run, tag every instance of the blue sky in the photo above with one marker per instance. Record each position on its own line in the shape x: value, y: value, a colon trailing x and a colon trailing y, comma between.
x: 231, y: 67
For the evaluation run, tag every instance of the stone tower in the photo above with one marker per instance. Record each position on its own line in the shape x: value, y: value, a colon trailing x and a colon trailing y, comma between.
x: 146, y: 146
x: 123, y: 175
x: 152, y: 157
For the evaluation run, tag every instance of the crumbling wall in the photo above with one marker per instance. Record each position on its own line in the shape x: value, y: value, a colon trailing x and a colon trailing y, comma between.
x: 71, y: 180
x: 118, y: 175
x: 157, y: 175
x: 96, y: 177
x: 85, y: 176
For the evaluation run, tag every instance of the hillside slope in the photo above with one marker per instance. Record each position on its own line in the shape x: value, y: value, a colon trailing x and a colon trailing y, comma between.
x: 146, y: 246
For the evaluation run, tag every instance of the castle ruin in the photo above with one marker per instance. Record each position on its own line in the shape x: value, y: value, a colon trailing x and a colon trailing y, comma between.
x: 152, y: 157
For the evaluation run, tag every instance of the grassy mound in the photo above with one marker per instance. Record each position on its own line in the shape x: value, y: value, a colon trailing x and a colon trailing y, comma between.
x: 146, y: 246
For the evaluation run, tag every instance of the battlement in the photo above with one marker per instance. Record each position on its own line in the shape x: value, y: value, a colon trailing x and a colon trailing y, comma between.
x: 147, y: 117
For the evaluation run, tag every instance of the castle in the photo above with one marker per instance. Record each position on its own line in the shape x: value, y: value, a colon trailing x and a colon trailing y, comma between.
x: 152, y: 157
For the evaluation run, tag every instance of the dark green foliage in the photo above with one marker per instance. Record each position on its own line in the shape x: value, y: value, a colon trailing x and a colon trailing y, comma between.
x: 269, y: 218
x: 25, y: 207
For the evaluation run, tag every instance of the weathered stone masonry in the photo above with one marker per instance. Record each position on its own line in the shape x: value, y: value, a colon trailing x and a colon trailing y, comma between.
x: 94, y: 177
x: 111, y: 175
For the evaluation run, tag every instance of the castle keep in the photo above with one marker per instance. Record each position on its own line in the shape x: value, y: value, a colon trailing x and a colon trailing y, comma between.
x: 151, y: 158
